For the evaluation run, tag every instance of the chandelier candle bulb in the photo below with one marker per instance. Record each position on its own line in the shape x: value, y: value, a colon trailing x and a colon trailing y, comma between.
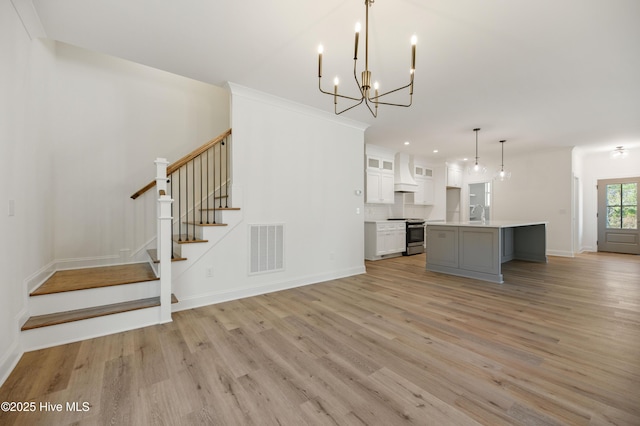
x: 355, y: 52
x: 414, y: 41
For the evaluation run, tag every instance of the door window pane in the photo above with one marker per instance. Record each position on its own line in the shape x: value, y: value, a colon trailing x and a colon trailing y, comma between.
x: 613, y: 217
x: 629, y: 194
x: 622, y: 206
x: 614, y: 194
x: 629, y: 218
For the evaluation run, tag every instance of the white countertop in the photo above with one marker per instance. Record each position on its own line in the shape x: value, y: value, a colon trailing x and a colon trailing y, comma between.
x: 489, y: 223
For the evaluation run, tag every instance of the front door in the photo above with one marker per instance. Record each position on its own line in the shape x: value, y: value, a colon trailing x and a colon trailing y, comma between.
x: 618, y: 219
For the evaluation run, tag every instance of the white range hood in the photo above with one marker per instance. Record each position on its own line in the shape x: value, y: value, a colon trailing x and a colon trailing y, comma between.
x: 403, y: 179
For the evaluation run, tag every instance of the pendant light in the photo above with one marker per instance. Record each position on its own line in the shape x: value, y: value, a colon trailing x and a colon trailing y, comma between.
x: 503, y: 174
x: 477, y: 169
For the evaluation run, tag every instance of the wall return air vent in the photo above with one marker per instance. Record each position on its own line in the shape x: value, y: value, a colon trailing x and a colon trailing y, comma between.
x: 267, y: 248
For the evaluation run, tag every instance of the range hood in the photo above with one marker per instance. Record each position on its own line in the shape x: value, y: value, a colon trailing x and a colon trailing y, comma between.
x: 403, y: 180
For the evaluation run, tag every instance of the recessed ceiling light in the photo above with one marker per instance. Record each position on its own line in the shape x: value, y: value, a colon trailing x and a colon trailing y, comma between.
x: 407, y: 143
x: 465, y: 159
x: 435, y: 151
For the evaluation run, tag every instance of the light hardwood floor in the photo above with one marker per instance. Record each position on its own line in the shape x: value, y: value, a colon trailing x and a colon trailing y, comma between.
x: 557, y: 343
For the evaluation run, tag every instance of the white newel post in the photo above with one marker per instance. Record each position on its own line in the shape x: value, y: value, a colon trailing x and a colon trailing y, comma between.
x: 164, y: 237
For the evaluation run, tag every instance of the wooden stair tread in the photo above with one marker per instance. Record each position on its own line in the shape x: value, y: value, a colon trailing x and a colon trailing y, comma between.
x: 94, y: 312
x: 188, y: 240
x: 153, y: 254
x: 205, y: 224
x: 87, y: 278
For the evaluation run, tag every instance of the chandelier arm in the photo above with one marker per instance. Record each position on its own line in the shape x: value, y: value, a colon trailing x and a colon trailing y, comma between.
x: 334, y: 94
x: 375, y: 114
x: 410, y: 84
x: 376, y: 101
x: 398, y: 105
x: 335, y: 107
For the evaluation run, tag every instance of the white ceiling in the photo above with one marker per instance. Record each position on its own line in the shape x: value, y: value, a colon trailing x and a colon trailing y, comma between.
x: 541, y: 74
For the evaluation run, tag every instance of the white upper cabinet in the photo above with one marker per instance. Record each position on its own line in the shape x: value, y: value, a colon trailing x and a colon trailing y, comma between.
x: 379, y: 176
x: 423, y: 175
x: 454, y: 176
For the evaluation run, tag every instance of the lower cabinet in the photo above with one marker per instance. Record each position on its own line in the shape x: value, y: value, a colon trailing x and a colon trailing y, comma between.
x: 382, y: 238
x: 442, y: 246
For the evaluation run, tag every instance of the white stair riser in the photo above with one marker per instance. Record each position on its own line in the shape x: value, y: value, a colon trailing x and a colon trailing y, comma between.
x: 213, y: 234
x: 75, y: 331
x: 80, y: 299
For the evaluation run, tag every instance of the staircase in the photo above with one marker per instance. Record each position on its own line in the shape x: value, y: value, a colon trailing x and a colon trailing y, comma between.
x: 78, y: 304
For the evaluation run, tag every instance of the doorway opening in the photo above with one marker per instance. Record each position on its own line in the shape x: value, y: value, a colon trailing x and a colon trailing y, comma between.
x: 480, y: 201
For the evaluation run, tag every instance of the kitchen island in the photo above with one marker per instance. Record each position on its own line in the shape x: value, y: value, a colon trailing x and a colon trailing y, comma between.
x: 477, y: 250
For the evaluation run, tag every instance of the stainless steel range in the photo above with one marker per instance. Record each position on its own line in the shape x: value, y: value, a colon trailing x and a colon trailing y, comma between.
x: 415, y: 236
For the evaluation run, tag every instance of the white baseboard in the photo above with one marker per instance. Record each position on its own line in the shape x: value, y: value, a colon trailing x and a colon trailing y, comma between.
x: 226, y: 296
x: 9, y: 360
x: 560, y: 253
x: 36, y: 279
x: 88, y: 262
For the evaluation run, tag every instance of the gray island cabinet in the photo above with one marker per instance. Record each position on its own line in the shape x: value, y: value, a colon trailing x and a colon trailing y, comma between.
x: 477, y: 250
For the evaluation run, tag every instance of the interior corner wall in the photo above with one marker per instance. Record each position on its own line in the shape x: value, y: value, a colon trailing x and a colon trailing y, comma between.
x: 298, y: 167
x: 111, y: 119
x: 25, y: 173
x: 540, y: 188
x: 597, y: 166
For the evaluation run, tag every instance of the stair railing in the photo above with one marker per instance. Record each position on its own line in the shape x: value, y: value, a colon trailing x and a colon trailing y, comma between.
x: 199, y: 184
x: 190, y: 192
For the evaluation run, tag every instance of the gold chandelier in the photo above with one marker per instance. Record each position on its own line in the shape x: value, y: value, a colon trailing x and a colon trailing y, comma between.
x: 364, y: 84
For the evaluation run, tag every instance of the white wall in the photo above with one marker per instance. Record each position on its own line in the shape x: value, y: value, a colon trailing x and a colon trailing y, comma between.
x: 591, y: 167
x: 294, y: 166
x: 25, y: 173
x: 540, y: 189
x: 110, y: 120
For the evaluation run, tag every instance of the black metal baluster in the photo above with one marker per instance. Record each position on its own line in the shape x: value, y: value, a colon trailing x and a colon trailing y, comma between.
x: 213, y: 165
x: 170, y: 180
x: 186, y: 202
x: 226, y: 168
x: 208, y: 195
x: 179, y: 205
x: 220, y: 172
x: 193, y: 190
x: 201, y: 185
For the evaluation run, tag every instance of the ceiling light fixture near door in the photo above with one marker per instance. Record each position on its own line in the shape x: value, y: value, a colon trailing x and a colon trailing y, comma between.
x: 364, y: 84
x: 477, y: 169
x: 619, y: 153
x: 503, y: 174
